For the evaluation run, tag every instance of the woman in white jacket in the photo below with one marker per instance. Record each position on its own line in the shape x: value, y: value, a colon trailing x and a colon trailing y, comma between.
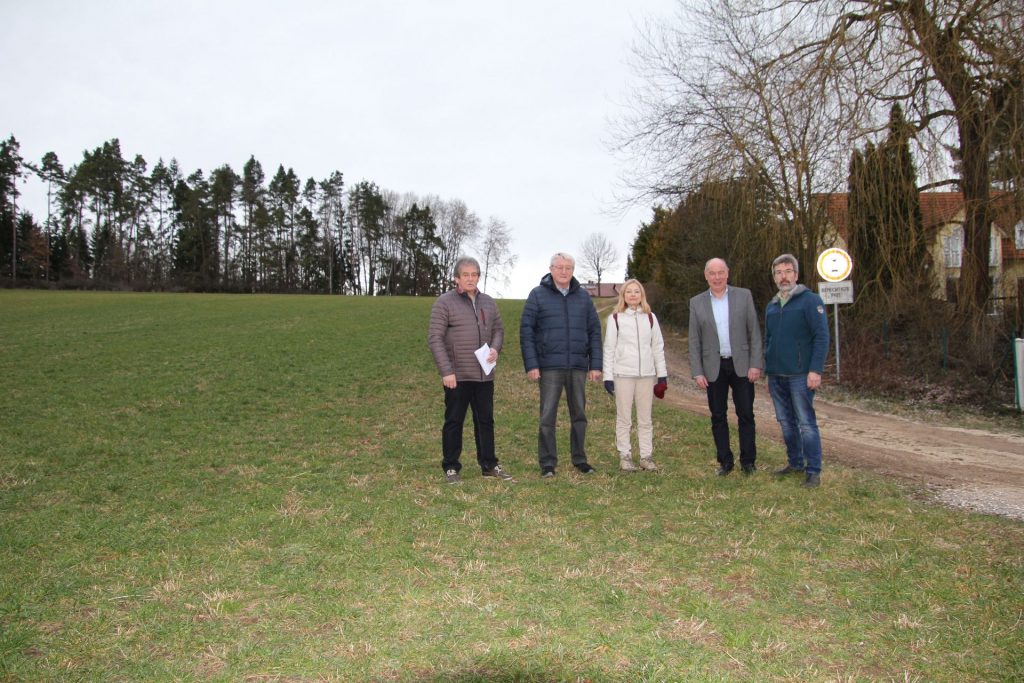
x: 634, y: 355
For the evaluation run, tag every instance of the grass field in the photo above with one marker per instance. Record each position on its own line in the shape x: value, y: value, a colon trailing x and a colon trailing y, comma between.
x: 247, y: 488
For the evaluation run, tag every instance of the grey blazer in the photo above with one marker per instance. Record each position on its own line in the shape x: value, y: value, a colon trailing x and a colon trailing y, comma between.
x: 744, y: 335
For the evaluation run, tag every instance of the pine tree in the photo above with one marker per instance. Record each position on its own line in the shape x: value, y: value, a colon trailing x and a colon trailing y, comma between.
x: 885, y: 232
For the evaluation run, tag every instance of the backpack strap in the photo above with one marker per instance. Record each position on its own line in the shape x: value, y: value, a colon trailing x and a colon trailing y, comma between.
x: 650, y: 319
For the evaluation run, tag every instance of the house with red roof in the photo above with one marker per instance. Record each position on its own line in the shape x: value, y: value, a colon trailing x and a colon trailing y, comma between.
x: 604, y: 290
x: 943, y: 217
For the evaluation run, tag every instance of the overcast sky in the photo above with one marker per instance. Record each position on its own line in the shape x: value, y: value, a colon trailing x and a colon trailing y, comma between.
x: 507, y: 106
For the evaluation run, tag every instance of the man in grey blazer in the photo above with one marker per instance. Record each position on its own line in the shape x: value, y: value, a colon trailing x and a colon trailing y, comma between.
x: 726, y: 353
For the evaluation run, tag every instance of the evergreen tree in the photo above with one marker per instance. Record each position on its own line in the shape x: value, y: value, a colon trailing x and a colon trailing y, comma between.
x: 252, y: 198
x: 71, y: 199
x: 332, y: 218
x: 10, y: 173
x: 52, y: 173
x: 367, y: 210
x: 100, y: 181
x: 137, y: 200
x: 224, y: 186
x: 196, y: 255
x: 33, y: 251
x: 159, y: 235
x: 640, y: 262
x: 885, y: 233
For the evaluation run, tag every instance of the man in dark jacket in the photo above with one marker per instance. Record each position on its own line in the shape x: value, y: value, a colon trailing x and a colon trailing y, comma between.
x: 560, y: 335
x: 796, y: 339
x: 462, y: 321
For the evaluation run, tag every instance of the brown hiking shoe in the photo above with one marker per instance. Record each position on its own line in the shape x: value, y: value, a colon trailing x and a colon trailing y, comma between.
x: 498, y: 473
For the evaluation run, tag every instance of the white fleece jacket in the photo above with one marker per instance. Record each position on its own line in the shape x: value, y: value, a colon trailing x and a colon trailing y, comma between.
x: 634, y: 347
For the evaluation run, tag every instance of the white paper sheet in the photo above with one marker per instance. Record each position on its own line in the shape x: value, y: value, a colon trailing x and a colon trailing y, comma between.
x: 481, y: 355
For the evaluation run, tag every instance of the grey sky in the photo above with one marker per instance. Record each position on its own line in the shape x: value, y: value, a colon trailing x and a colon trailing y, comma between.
x: 505, y: 105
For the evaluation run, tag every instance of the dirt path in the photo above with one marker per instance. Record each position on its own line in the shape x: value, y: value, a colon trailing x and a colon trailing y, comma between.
x: 967, y: 468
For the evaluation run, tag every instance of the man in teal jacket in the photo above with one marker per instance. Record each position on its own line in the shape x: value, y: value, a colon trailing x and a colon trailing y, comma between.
x: 796, y: 344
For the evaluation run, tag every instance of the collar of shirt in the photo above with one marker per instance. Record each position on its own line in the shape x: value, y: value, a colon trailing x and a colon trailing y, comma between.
x: 725, y: 293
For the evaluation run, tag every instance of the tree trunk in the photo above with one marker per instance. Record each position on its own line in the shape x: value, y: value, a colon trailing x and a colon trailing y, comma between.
x: 975, y: 284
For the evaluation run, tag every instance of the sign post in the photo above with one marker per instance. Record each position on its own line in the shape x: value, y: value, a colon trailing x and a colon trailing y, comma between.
x: 1018, y: 374
x: 834, y: 266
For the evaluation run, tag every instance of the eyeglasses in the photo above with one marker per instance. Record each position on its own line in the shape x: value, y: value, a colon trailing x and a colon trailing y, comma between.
x: 563, y: 268
x: 784, y: 271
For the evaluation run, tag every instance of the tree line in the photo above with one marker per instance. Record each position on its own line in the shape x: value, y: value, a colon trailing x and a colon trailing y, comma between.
x: 114, y: 222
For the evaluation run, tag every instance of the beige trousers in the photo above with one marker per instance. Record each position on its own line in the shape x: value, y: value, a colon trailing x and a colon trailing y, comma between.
x: 630, y: 391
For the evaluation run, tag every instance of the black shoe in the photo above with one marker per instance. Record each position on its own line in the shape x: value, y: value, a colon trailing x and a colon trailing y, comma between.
x: 789, y: 469
x: 585, y: 468
x: 748, y: 469
x: 724, y: 470
x: 812, y: 481
x: 548, y: 472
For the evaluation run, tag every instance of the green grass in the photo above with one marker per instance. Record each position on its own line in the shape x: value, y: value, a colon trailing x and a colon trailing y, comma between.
x: 248, y: 488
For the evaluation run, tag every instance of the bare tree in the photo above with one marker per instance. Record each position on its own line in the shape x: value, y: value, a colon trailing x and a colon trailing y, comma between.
x: 495, y: 248
x: 712, y: 110
x: 784, y: 87
x: 597, y: 255
x: 457, y: 226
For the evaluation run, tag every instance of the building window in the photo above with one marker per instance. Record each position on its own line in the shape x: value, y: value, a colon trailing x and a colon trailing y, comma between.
x: 993, y: 249
x: 953, y: 248
x: 1018, y: 234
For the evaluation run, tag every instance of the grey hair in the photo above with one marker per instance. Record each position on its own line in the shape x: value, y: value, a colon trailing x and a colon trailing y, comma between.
x: 466, y: 261
x: 786, y: 258
x: 716, y: 258
x: 562, y: 256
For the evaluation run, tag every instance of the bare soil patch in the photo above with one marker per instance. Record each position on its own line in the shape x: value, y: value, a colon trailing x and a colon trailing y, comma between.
x: 968, y: 468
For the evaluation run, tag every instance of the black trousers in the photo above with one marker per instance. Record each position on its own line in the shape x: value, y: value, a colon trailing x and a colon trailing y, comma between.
x: 480, y: 397
x: 743, y: 402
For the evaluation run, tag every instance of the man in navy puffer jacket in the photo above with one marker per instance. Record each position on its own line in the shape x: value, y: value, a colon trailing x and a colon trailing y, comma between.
x: 796, y: 344
x: 560, y: 336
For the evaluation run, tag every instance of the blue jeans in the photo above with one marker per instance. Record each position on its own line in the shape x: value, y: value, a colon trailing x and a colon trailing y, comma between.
x: 794, y: 409
x: 552, y: 382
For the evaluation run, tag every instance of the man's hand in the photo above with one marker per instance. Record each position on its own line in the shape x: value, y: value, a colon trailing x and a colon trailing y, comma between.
x: 609, y: 386
x: 533, y: 375
x: 754, y: 374
x: 702, y: 381
x: 594, y: 376
x: 813, y: 380
x: 449, y: 381
x: 492, y: 357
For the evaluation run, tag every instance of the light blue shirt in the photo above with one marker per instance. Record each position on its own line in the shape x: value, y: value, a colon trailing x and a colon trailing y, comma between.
x: 720, y: 309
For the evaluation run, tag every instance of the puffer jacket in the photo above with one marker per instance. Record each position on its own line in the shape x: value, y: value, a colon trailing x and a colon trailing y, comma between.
x: 458, y: 327
x: 560, y: 332
x: 634, y: 347
x: 796, y: 335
